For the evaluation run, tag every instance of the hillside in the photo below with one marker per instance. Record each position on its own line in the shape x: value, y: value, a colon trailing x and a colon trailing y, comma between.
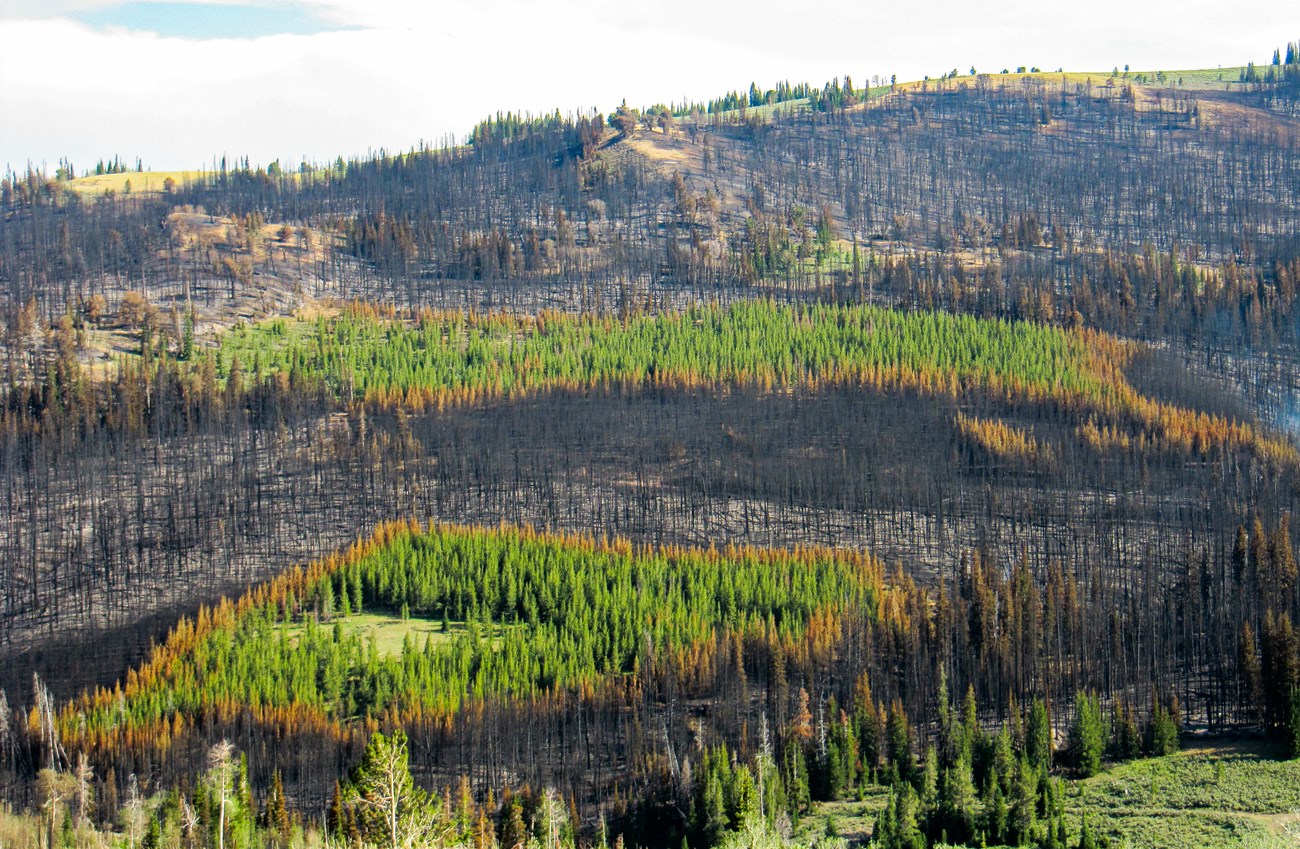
x: 902, y: 456
x: 1212, y: 794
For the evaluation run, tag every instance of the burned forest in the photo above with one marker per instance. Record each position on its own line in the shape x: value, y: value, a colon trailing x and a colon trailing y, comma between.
x: 684, y: 476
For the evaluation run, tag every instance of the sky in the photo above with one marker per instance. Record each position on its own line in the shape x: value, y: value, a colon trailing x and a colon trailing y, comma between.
x: 180, y: 84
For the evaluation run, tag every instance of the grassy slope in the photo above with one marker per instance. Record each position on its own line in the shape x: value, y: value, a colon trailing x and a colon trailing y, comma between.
x: 95, y: 185
x: 1233, y: 794
x: 389, y: 632
x: 1194, y: 79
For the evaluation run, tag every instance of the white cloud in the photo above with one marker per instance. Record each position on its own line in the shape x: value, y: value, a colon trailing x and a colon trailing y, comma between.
x: 416, y: 70
x: 34, y: 10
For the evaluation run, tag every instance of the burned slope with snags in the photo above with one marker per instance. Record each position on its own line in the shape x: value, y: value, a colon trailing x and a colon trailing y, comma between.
x: 536, y: 632
x: 988, y: 163
x: 947, y: 435
x: 514, y: 659
x: 961, y: 354
x: 1144, y: 210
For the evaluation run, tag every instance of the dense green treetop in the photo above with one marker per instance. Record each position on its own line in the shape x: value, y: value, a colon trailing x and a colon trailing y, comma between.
x: 533, y: 613
x: 754, y: 341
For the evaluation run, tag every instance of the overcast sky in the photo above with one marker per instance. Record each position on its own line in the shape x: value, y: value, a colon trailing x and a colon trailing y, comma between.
x: 179, y: 83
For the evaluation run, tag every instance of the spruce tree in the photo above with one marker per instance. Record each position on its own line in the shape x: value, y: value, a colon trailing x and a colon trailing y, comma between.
x: 1038, y: 737
x: 899, y: 734
x: 1087, y: 738
x: 1022, y: 805
x: 1086, y: 840
x: 1164, y: 729
x: 1126, y: 742
x: 390, y: 810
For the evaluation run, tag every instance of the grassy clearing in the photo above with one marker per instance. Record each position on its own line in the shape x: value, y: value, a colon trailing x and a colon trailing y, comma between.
x: 852, y: 820
x: 1237, y: 794
x: 1205, y: 78
x: 389, y: 632
x: 767, y: 110
x: 1201, y: 79
x: 1233, y: 794
x: 150, y: 182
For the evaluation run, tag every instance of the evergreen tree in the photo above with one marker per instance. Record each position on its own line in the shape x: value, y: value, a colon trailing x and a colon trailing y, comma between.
x: 1087, y: 736
x: 1258, y: 567
x: 957, y: 800
x: 1250, y: 687
x: 897, y: 825
x: 1126, y: 742
x: 899, y: 734
x: 390, y: 810
x: 1280, y: 668
x: 1164, y: 728
x: 1292, y: 730
x: 1086, y: 840
x: 1282, y: 564
x: 795, y: 780
x: 1038, y: 737
x: 709, y: 820
x: 274, y: 818
x: 1022, y: 804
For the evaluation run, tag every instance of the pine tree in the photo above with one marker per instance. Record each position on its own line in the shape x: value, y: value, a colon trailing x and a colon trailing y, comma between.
x: 1280, y: 667
x: 1282, y: 564
x: 709, y: 808
x: 514, y: 831
x: 1292, y: 729
x: 1257, y: 569
x: 390, y: 810
x: 899, y: 734
x: 795, y: 779
x: 1022, y: 804
x: 1250, y: 683
x: 1038, y: 737
x: 1087, y: 737
x: 1126, y: 742
x: 930, y: 790
x: 897, y: 826
x: 274, y: 818
x: 957, y: 800
x: 1164, y: 728
x: 1240, y: 555
x: 1086, y: 840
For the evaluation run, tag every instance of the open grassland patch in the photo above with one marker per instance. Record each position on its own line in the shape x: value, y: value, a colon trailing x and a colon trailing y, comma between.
x: 391, y: 633
x: 1237, y: 794
x: 140, y: 181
